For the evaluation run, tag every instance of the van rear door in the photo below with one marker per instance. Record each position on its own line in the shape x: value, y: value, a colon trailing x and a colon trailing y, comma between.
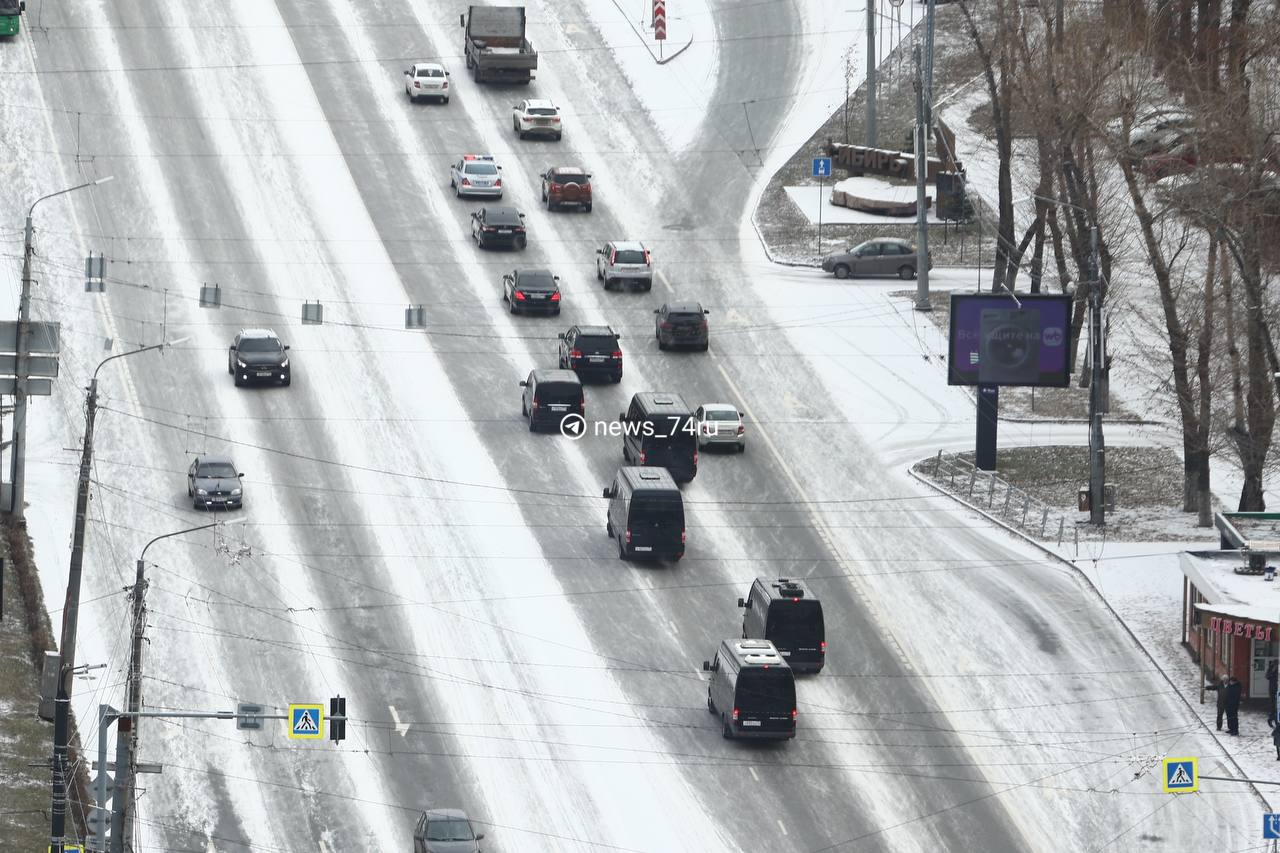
x: 656, y: 524
x: 765, y: 701
x: 561, y: 398
x: 796, y: 628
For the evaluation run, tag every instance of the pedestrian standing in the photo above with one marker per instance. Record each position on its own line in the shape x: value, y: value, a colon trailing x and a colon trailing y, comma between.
x: 1275, y: 738
x: 1233, y: 705
x: 1221, y: 689
x: 1273, y: 683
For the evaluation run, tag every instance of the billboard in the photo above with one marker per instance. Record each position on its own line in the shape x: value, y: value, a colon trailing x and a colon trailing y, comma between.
x: 997, y: 339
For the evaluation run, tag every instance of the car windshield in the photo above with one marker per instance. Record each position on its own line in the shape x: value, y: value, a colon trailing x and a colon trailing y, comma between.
x: 536, y: 281
x: 795, y: 623
x: 569, y: 178
x: 629, y: 256
x: 550, y: 393
x: 259, y: 345
x: 596, y: 343
x: 8, y: 7
x: 684, y: 318
x: 480, y: 169
x: 721, y: 415
x: 766, y: 691
x: 216, y: 470
x: 430, y: 72
x: 495, y: 217
x: 540, y: 111
x: 656, y: 512
x: 449, y: 830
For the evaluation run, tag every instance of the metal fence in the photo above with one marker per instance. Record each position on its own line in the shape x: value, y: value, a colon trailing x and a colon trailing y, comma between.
x: 1000, y: 498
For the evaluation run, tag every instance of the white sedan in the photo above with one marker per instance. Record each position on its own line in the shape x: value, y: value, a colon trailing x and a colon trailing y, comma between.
x: 720, y: 424
x: 426, y: 80
x: 536, y: 117
x: 476, y: 175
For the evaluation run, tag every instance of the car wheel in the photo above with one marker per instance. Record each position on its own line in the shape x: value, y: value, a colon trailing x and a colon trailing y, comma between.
x: 195, y: 503
x: 409, y: 95
x: 555, y: 313
x: 600, y: 277
x: 608, y: 527
x: 711, y: 705
x: 622, y: 550
x: 742, y: 448
x: 557, y: 137
x: 726, y: 731
x: 444, y: 100
x: 457, y: 190
x: 287, y: 381
x: 524, y: 410
x: 617, y: 377
x: 706, y: 345
x: 521, y: 242
x: 523, y: 135
x: 648, y: 286
x: 235, y: 378
x: 661, y: 344
x: 532, y: 426
x: 906, y: 272
x: 842, y: 271
x: 587, y: 207
x: 479, y: 242
x: 511, y: 306
x: 551, y: 205
x: 191, y: 493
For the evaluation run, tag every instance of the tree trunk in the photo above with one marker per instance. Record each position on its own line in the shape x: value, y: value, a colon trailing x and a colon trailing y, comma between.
x: 1259, y: 400
x: 1204, y: 347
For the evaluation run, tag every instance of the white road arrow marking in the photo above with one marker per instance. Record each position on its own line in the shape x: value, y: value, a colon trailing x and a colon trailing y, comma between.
x: 401, y: 728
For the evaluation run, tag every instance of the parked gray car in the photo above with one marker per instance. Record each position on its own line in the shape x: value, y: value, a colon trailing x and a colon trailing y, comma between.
x: 214, y: 481
x: 445, y: 831
x: 881, y: 256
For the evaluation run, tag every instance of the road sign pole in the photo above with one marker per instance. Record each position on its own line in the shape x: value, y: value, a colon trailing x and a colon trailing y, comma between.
x: 819, y: 219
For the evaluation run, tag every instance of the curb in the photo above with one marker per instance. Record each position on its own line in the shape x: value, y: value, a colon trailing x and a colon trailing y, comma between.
x: 648, y: 42
x: 1054, y: 555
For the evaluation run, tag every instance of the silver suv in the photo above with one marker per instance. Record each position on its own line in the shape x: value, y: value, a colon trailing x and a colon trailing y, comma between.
x: 625, y: 262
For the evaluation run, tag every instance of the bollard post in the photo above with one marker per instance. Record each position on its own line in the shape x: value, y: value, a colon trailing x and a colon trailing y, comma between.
x: 991, y: 491
x: 937, y: 464
x: 1026, y: 505
x: 972, y: 474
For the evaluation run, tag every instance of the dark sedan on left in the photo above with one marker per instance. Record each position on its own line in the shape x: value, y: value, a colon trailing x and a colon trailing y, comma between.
x: 214, y: 481
x: 256, y: 355
x: 498, y: 226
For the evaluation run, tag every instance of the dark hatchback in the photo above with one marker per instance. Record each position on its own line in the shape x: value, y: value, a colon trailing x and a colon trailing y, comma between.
x: 591, y: 351
x: 498, y: 226
x: 681, y: 324
x: 256, y: 355
x: 529, y: 291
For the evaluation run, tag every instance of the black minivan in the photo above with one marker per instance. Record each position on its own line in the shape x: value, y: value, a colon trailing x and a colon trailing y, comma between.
x: 550, y: 396
x: 659, y: 429
x: 785, y: 612
x: 752, y: 691
x: 646, y: 514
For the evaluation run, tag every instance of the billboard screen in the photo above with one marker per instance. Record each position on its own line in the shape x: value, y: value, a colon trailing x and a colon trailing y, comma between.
x: 997, y: 341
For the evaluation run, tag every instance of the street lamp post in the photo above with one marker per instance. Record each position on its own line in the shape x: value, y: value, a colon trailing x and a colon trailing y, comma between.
x: 17, y: 465
x: 71, y: 612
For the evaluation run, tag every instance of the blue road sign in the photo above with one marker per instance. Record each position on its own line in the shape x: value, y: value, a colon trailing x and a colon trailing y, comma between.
x: 1271, y: 826
x: 822, y: 167
x: 1180, y: 776
x: 306, y: 721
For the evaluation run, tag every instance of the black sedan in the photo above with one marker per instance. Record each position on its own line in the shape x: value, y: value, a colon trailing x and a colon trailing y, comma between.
x: 498, y: 226
x: 256, y: 355
x: 527, y: 291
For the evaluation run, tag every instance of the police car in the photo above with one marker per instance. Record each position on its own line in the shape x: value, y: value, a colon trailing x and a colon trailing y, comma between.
x: 476, y: 175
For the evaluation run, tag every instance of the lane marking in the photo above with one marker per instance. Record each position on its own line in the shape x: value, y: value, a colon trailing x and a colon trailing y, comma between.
x: 662, y: 279
x: 673, y: 626
x: 782, y: 826
x: 754, y: 775
x: 402, y: 729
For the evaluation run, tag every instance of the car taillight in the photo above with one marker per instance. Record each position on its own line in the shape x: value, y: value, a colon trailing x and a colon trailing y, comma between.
x: 695, y: 459
x: 535, y: 403
x: 704, y: 322
x: 446, y: 85
x: 466, y: 182
x: 518, y: 229
x: 519, y: 296
x: 735, y: 715
x: 793, y: 715
x: 667, y: 326
x: 643, y: 455
x: 683, y: 536
x: 489, y: 229
x: 706, y: 429
x: 498, y: 182
x: 617, y: 354
x: 822, y: 647
x: 741, y: 429
x: 648, y: 259
x: 417, y: 85
x: 576, y: 354
x: 555, y: 118
x: 628, y: 535
x: 555, y: 297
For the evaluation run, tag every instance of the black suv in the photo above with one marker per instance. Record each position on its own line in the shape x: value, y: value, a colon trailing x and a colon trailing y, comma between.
x: 256, y: 355
x: 550, y: 396
x: 681, y: 324
x: 531, y: 290
x: 498, y: 226
x: 591, y: 351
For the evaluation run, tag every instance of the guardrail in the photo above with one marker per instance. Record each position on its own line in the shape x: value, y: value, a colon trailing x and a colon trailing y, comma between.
x: 997, y: 496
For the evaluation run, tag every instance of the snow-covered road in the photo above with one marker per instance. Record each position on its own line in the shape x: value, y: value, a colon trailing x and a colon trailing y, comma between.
x: 408, y: 544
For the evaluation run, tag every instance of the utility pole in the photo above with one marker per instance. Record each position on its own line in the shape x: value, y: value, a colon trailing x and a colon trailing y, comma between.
x: 871, y: 74
x: 71, y: 614
x: 18, y: 464
x: 127, y: 727
x: 1097, y: 356
x: 924, y: 124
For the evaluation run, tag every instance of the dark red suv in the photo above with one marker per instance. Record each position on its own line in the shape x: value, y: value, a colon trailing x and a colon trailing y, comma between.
x: 563, y: 185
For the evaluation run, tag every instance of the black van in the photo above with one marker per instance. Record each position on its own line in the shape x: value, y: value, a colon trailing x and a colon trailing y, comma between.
x: 659, y: 429
x: 646, y: 514
x: 550, y: 396
x: 785, y: 612
x: 752, y: 690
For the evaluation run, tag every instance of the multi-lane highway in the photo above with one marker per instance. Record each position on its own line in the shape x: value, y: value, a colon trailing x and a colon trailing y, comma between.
x: 405, y: 540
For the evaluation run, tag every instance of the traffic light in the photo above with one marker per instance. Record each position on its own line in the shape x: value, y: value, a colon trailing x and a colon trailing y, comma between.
x: 337, y: 718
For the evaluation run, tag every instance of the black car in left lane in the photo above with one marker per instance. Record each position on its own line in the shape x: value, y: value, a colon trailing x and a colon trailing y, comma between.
x: 527, y: 291
x: 256, y: 355
x: 498, y: 226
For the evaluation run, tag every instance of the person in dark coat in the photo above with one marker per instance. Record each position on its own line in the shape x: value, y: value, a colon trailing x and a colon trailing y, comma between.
x: 1275, y: 738
x: 1234, y: 687
x: 1221, y: 689
x: 1273, y: 680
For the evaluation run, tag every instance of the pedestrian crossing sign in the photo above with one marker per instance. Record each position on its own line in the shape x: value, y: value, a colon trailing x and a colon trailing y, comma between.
x: 306, y: 721
x: 1180, y: 776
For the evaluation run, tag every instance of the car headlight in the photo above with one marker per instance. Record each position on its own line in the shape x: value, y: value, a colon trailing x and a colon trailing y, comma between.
x: 202, y: 491
x: 240, y: 363
x: 284, y: 363
x: 237, y: 491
